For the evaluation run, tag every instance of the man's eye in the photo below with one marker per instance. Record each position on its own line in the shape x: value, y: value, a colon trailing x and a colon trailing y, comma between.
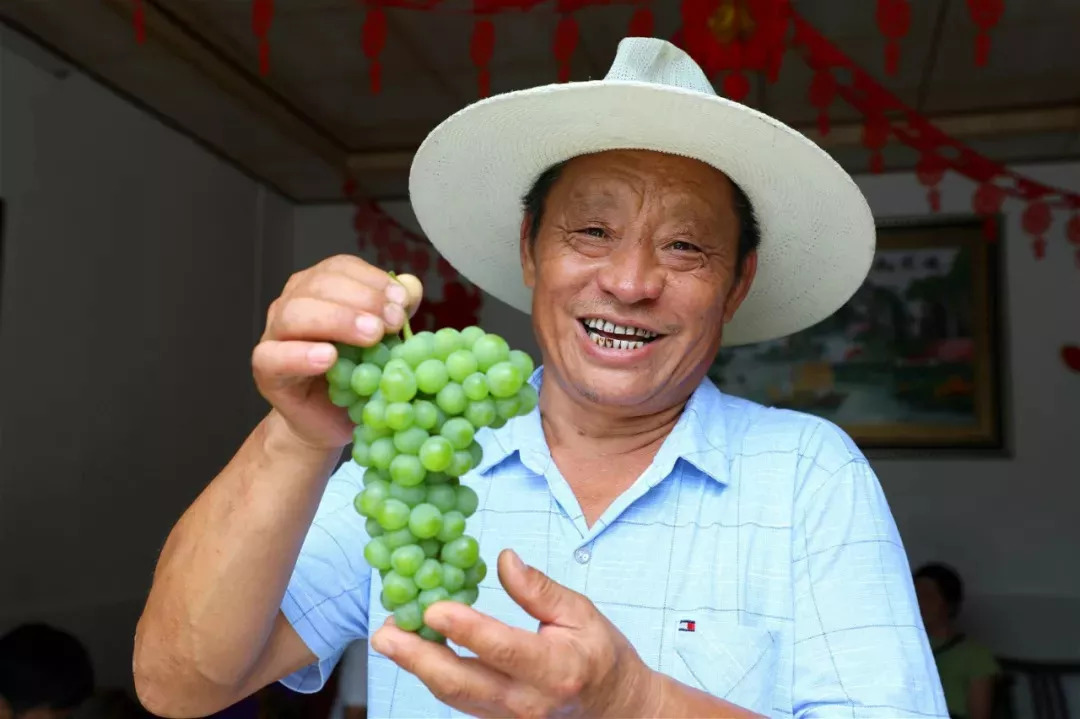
x: 683, y: 246
x: 594, y: 232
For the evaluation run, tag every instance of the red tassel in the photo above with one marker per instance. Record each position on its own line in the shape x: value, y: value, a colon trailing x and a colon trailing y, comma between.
x: 641, y: 24
x: 990, y: 229
x: 822, y: 92
x: 985, y: 14
x: 264, y: 57
x: 875, y: 135
x: 262, y: 15
x: 736, y: 86
x: 982, y: 49
x: 138, y: 19
x: 566, y: 39
x: 893, y: 20
x: 1038, y: 247
x: 934, y: 198
x: 481, y: 48
x: 892, y: 57
x: 1072, y: 229
x: 374, y: 40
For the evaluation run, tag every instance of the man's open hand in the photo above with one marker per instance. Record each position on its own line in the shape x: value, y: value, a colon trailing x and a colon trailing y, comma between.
x: 576, y: 664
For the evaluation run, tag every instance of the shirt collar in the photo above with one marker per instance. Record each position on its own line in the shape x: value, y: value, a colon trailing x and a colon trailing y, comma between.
x: 699, y: 437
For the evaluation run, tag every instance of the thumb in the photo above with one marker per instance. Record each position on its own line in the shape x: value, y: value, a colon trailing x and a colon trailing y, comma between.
x: 540, y: 595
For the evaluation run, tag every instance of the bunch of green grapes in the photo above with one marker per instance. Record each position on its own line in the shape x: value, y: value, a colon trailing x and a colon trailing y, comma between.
x: 418, y: 404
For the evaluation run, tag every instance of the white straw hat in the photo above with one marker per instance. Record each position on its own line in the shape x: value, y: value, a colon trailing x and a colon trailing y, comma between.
x: 470, y: 174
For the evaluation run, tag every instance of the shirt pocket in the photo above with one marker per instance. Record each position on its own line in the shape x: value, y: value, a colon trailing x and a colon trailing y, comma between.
x: 731, y: 661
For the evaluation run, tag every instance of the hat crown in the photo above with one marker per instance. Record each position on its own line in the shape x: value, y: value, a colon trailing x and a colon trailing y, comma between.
x: 656, y: 61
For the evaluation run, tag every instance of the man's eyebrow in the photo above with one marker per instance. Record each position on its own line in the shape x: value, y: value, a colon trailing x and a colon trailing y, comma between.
x: 592, y: 200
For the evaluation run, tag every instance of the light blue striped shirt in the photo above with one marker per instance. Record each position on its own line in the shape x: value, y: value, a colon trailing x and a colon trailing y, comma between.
x: 756, y: 559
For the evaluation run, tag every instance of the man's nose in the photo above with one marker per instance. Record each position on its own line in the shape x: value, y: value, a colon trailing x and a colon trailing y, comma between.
x: 632, y: 272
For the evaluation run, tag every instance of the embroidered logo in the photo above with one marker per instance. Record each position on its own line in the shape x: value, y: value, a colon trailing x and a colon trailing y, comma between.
x: 687, y: 625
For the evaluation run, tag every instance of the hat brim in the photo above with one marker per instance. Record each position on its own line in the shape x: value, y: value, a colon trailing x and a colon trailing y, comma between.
x: 817, y: 232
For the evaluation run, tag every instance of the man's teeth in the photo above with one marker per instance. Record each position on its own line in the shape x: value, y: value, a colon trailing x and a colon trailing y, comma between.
x: 612, y: 328
x: 616, y: 344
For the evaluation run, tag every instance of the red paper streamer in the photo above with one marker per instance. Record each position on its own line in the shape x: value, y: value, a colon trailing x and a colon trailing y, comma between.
x: 641, y: 23
x: 893, y: 20
x: 262, y: 15
x: 566, y: 40
x: 985, y: 14
x: 374, y: 40
x: 138, y: 20
x: 481, y: 48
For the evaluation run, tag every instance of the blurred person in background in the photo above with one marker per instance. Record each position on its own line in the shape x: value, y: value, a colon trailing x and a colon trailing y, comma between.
x: 968, y: 670
x: 45, y: 673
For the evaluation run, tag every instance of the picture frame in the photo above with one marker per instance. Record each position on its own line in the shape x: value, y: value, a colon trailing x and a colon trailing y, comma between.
x: 911, y: 361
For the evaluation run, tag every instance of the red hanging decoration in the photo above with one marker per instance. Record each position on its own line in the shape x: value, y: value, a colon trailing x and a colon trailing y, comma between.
x: 875, y: 134
x: 736, y: 86
x: 1070, y: 355
x: 481, y: 48
x: 822, y: 93
x: 566, y: 40
x: 985, y: 14
x: 374, y: 40
x: 138, y: 20
x: 987, y: 202
x: 1036, y: 221
x: 930, y: 171
x: 1072, y: 234
x: 641, y: 24
x: 262, y: 15
x: 893, y: 20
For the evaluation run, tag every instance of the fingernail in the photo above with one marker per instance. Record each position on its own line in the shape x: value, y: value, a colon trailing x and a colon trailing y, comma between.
x: 394, y: 315
x: 516, y: 561
x: 396, y: 293
x: 320, y: 355
x: 367, y: 325
x: 385, y: 646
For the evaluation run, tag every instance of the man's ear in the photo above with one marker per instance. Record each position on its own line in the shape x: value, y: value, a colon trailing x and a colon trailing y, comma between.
x: 528, y: 261
x: 741, y: 286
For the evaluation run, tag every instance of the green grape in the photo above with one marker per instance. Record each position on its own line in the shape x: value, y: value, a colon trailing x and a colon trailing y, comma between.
x: 377, y: 554
x: 431, y: 635
x: 504, y: 380
x: 431, y: 376
x: 425, y: 414
x: 399, y: 416
x: 386, y: 603
x: 477, y: 453
x: 459, y: 431
x: 436, y: 453
x: 399, y: 385
x: 393, y: 514
x: 382, y: 453
x: 451, y: 399
x: 411, y: 496
x: 340, y: 374
x: 375, y: 413
x: 398, y: 539
x: 527, y: 399
x: 523, y: 362
x: 447, y: 340
x: 395, y: 353
x: 453, y: 525
x: 370, y: 501
x: 434, y: 478
x: 465, y: 596
x: 383, y: 572
x: 419, y: 347
x: 461, y: 552
x: 399, y: 589
x: 490, y: 350
x: 460, y: 463
x: 442, y: 496
x: 507, y: 408
x: 425, y: 520
x: 431, y: 547
x: 481, y: 413
x: 460, y: 364
x: 440, y: 419
x: 410, y: 441
x: 361, y: 454
x: 499, y: 423
x: 371, y: 474
x: 371, y: 526
x: 429, y: 596
x: 429, y: 575
x: 475, y: 574
x: 406, y: 560
x: 396, y: 364
x: 467, y: 501
x: 476, y: 386
x: 406, y: 469
x: 356, y: 411
x: 409, y: 616
x: 365, y: 379
x: 377, y: 355
x: 453, y: 578
x: 349, y: 352
x: 469, y: 335
x: 368, y: 434
x: 342, y: 396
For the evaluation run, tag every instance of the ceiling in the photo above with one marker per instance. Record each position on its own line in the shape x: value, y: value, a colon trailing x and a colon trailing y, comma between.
x: 313, y: 116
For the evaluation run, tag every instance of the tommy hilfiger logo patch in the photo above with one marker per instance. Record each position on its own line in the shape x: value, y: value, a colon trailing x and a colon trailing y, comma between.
x: 687, y: 625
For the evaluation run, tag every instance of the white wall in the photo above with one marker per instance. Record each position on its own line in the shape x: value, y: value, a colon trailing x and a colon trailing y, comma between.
x: 1009, y: 524
x: 137, y: 269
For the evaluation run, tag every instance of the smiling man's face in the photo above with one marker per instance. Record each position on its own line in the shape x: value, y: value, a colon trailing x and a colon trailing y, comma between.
x: 633, y: 271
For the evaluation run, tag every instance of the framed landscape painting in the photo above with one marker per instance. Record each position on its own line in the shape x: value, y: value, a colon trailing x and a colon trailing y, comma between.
x: 910, y: 361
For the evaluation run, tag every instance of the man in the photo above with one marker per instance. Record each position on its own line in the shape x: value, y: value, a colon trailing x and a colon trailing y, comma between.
x: 45, y: 673
x: 663, y: 549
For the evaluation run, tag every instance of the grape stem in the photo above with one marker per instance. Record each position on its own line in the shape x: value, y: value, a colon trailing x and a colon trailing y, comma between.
x: 406, y: 330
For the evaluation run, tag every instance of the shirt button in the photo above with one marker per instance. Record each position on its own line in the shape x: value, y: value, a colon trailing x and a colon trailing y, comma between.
x: 582, y: 555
